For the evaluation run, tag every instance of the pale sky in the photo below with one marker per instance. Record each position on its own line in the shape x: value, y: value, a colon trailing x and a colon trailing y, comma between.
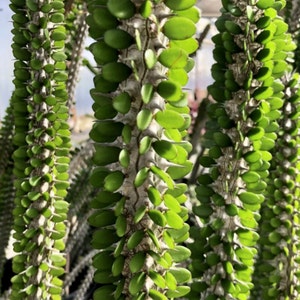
x: 6, y: 58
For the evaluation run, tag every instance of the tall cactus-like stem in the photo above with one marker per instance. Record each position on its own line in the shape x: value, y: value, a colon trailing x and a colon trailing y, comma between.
x: 240, y: 135
x: 278, y: 261
x: 142, y: 117
x: 7, y: 190
x: 42, y: 140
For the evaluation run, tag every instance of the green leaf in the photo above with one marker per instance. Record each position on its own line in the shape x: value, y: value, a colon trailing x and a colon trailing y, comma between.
x: 192, y: 13
x: 119, y: 247
x: 157, y: 217
x: 154, y: 238
x: 174, y: 220
x: 181, y: 274
x: 263, y: 4
x: 156, y: 295
x: 266, y: 155
x: 121, y: 9
x: 102, y: 218
x: 178, y: 191
x: 229, y: 286
x: 113, y: 181
x: 98, y: 175
x: 144, y: 119
x: 171, y: 280
x: 179, y: 292
x: 118, y: 38
x: 190, y: 45
x: 157, y: 279
x: 124, y: 158
x: 137, y: 262
x: 104, y: 238
x: 147, y: 92
x: 170, y: 90
x: 248, y: 238
x: 232, y: 27
x: 173, y: 58
x: 136, y: 283
x: 169, y: 119
x: 105, y: 154
x: 249, y: 198
x: 150, y: 58
x: 274, y: 237
x: 135, y: 239
x: 160, y: 259
x: 121, y: 225
x: 252, y: 156
x: 122, y: 103
x: 145, y: 144
x: 139, y: 214
x: 163, y: 176
x: 165, y: 149
x: 180, y: 5
x: 171, y: 203
x: 222, y: 139
x: 265, y: 54
x: 190, y: 65
x: 276, y: 103
x: 180, y: 171
x: 104, y: 19
x: 263, y: 22
x: 255, y: 133
x: 203, y: 210
x: 118, y: 265
x: 179, y: 253
x: 103, y: 260
x: 280, y: 67
x: 246, y: 253
x: 105, y: 199
x: 250, y: 177
x: 231, y: 209
x: 173, y: 134
x: 263, y: 93
x: 179, y: 28
x: 146, y: 9
x: 247, y: 219
x: 104, y: 86
x: 31, y: 289
x: 141, y: 176
x: 116, y: 72
x: 103, y: 53
x: 267, y: 144
x: 61, y: 206
x: 154, y: 196
x: 178, y: 75
x: 206, y: 161
x: 104, y: 277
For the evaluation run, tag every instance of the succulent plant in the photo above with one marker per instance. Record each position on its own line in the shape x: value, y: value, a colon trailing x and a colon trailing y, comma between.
x: 142, y: 49
x: 277, y: 264
x: 119, y: 216
x: 251, y: 51
x: 42, y: 141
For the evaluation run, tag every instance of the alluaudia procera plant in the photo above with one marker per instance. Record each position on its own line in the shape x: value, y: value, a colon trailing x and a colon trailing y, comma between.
x: 277, y: 271
x: 250, y: 55
x: 6, y: 185
x: 142, y: 49
x: 42, y: 141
